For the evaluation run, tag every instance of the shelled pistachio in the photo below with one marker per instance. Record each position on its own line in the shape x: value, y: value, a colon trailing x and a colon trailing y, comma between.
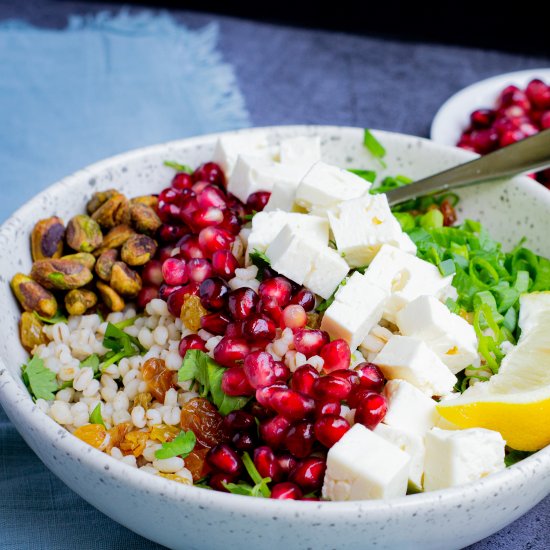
x: 138, y: 250
x: 47, y: 238
x: 84, y: 258
x: 30, y: 331
x: 124, y: 280
x: 83, y: 234
x: 79, y: 300
x: 61, y: 274
x: 110, y: 297
x: 32, y: 296
x: 104, y: 264
x: 113, y: 212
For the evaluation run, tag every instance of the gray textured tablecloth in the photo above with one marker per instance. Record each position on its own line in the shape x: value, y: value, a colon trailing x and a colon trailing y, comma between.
x: 287, y: 76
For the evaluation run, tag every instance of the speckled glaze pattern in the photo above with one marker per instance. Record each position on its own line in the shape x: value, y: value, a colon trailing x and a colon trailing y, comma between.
x: 179, y: 516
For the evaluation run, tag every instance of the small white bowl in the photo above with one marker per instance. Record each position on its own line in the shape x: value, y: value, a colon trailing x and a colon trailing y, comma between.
x: 180, y: 516
x: 453, y: 116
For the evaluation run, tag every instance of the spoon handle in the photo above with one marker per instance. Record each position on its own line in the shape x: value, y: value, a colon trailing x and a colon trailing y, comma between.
x: 527, y: 155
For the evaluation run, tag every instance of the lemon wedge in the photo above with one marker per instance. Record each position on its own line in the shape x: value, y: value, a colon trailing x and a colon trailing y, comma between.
x: 516, y: 401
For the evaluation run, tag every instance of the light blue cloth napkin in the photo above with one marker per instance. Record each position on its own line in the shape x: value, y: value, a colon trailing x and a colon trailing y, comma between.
x: 104, y: 85
x: 68, y: 98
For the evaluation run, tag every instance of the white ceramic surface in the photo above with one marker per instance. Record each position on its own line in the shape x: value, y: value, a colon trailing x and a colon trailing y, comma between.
x: 454, y: 115
x: 180, y: 516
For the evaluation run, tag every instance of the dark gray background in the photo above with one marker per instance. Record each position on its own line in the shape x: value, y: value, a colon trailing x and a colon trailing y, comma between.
x: 287, y: 76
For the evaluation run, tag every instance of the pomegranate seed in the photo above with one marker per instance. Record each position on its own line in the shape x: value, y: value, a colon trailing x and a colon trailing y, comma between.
x: 224, y: 263
x: 168, y: 212
x: 331, y: 388
x: 263, y: 394
x: 212, y: 239
x: 175, y: 301
x: 200, y: 186
x: 482, y: 118
x: 259, y: 328
x: 511, y: 136
x: 199, y: 269
x: 282, y: 372
x: 545, y: 120
x: 273, y: 431
x: 259, y: 368
x: 170, y: 195
x: 230, y: 222
x: 145, y: 295
x: 309, y: 341
x: 239, y: 421
x: 512, y: 95
x: 303, y: 379
x: 164, y: 252
x: 291, y: 404
x: 278, y: 288
x: 192, y: 341
x: 231, y: 352
x: 166, y: 290
x: 174, y: 272
x: 346, y: 374
x: 213, y: 293
x: 287, y: 463
x: 152, y: 273
x: 217, y: 481
x: 260, y: 412
x: 286, y: 491
x: 241, y: 303
x: 299, y: 439
x: 304, y: 298
x: 538, y: 93
x: 370, y: 377
x: 215, y: 323
x: 182, y: 181
x: 257, y: 201
x: 188, y: 207
x: 210, y: 172
x: 529, y: 129
x: 336, y: 355
x: 356, y: 395
x: 327, y: 407
x: 371, y: 410
x: 330, y: 428
x: 234, y: 330
x: 271, y: 308
x: 234, y: 382
x: 190, y: 248
x: 309, y: 474
x: 514, y: 112
x: 244, y: 441
x: 212, y: 196
x: 484, y: 141
x: 266, y: 463
x: 294, y: 316
x: 206, y: 217
x: 224, y: 459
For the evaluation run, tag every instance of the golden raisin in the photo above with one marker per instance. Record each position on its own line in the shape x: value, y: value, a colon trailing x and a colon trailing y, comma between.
x: 196, y: 463
x: 142, y: 400
x: 191, y: 312
x: 163, y: 433
x: 118, y: 433
x: 175, y: 477
x: 313, y: 320
x: 134, y: 443
x: 203, y: 418
x: 159, y: 379
x: 93, y: 434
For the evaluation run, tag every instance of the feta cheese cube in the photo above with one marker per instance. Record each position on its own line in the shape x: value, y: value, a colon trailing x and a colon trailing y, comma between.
x: 266, y: 226
x: 302, y: 150
x: 462, y: 456
x: 412, y: 360
x: 328, y: 271
x: 364, y: 466
x: 405, y: 277
x: 357, y: 308
x: 450, y: 336
x: 408, y: 408
x: 413, y: 445
x: 282, y: 197
x: 228, y: 148
x: 361, y: 226
x: 253, y: 174
x: 324, y: 186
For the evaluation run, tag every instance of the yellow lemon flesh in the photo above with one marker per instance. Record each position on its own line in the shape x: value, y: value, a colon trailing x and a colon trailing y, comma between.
x: 516, y: 401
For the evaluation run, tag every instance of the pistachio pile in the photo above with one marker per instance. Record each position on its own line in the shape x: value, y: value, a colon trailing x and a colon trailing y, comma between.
x: 93, y: 261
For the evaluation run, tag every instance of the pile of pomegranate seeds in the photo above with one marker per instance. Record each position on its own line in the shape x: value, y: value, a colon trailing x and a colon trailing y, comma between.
x: 292, y: 418
x: 516, y: 115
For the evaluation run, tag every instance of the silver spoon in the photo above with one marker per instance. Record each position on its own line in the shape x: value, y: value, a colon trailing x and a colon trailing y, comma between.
x: 527, y: 155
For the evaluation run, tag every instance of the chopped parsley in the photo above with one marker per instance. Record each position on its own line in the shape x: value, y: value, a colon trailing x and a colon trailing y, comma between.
x: 121, y: 345
x: 376, y: 149
x: 95, y: 417
x: 260, y: 487
x: 181, y: 445
x: 260, y: 260
x: 57, y: 318
x: 368, y: 175
x: 178, y: 167
x: 40, y: 380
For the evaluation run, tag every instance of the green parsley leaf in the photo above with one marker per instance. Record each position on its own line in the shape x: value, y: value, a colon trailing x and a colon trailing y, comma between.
x: 248, y: 217
x: 178, y: 167
x: 513, y: 457
x: 325, y: 304
x: 199, y: 366
x: 128, y: 322
x: 374, y: 146
x: 369, y: 175
x: 260, y: 260
x: 120, y: 344
x: 181, y: 445
x: 95, y: 417
x: 41, y: 381
x: 57, y: 318
x: 260, y: 487
x: 92, y: 362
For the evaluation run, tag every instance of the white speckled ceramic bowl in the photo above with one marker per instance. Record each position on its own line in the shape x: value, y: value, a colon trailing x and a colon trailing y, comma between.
x: 179, y: 516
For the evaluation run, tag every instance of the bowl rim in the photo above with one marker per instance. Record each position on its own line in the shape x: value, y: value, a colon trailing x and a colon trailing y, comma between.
x: 16, y: 400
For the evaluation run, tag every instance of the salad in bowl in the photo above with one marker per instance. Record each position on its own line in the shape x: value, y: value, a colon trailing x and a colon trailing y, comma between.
x: 266, y: 325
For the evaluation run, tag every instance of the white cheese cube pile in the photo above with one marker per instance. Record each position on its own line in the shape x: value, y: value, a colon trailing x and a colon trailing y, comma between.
x: 363, y: 465
x: 413, y: 445
x: 412, y: 360
x: 324, y: 186
x: 362, y: 225
x: 254, y: 144
x: 357, y: 308
x: 306, y: 261
x: 409, y: 409
x: 462, y: 456
x: 405, y: 277
x: 450, y: 336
